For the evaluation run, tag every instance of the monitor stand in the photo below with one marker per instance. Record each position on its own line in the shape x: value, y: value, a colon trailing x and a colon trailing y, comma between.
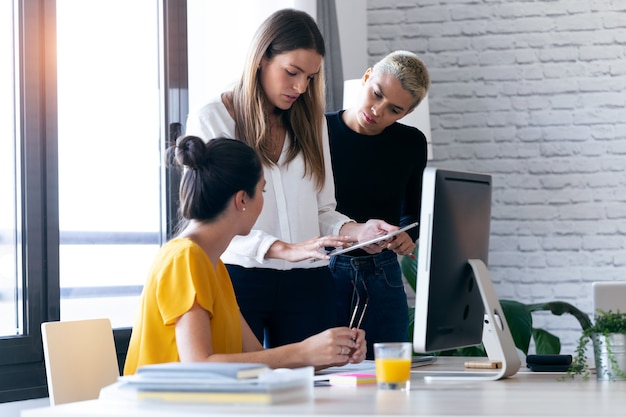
x: 497, y: 338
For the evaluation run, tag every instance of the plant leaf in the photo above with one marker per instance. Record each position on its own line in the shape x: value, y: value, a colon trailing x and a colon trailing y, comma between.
x: 609, y: 322
x: 546, y: 343
x: 411, y: 324
x: 559, y: 307
x: 409, y: 269
x: 520, y: 323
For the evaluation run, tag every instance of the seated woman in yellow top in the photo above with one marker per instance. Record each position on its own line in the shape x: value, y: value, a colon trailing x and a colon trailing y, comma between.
x: 188, y: 310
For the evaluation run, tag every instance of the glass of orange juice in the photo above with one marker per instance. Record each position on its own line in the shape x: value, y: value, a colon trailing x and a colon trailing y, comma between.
x: 393, y: 365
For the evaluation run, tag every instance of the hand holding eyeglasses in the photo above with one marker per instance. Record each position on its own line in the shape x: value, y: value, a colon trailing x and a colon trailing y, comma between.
x: 353, y: 348
x: 334, y: 347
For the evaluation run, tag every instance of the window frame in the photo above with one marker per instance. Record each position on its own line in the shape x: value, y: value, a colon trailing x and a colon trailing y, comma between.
x: 22, y: 369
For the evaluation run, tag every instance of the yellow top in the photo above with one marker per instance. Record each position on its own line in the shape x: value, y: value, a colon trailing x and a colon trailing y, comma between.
x: 181, y: 273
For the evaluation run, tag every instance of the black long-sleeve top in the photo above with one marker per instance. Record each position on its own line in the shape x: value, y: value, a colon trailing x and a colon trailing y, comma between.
x: 380, y: 176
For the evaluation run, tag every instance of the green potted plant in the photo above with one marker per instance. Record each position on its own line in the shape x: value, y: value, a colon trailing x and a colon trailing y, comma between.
x: 518, y: 317
x: 608, y: 336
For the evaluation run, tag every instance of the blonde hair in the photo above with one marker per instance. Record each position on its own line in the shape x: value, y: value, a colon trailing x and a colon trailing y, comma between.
x: 409, y: 70
x: 284, y: 31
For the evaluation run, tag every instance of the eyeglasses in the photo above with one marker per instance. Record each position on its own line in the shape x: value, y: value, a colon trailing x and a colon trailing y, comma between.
x: 357, y: 304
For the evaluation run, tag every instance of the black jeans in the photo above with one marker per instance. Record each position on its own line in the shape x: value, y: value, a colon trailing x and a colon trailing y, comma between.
x: 284, y: 307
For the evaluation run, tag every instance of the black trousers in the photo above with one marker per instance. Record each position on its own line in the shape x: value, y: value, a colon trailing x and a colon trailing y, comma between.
x: 285, y: 307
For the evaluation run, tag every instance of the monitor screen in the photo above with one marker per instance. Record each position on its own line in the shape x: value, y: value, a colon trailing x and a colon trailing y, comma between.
x: 454, y: 227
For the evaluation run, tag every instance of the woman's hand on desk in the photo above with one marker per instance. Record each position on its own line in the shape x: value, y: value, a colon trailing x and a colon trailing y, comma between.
x: 335, y: 347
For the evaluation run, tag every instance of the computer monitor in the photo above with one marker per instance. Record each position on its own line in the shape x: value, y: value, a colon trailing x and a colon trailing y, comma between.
x: 455, y: 302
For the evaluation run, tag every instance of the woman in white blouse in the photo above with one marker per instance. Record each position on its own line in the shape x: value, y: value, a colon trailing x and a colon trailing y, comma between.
x: 277, y: 107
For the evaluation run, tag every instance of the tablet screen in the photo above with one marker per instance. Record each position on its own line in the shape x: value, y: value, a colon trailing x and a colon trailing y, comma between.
x: 339, y: 251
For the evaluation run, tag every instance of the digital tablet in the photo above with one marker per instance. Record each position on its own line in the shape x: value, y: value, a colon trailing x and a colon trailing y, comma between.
x: 339, y: 251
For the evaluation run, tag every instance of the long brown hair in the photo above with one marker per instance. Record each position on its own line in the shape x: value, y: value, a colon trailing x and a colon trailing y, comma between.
x: 284, y: 31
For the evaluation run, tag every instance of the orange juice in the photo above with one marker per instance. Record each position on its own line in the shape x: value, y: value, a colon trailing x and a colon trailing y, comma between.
x: 393, y: 370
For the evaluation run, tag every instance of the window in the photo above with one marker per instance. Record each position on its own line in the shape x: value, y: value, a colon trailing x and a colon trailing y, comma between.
x: 11, y: 320
x: 92, y: 90
x: 109, y: 155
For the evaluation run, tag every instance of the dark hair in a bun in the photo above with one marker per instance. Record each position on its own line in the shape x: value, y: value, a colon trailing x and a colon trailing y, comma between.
x: 212, y: 173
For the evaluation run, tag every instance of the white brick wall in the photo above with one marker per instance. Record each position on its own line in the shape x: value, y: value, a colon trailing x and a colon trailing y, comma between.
x: 533, y: 92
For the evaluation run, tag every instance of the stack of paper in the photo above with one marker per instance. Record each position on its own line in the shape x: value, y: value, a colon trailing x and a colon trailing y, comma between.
x: 219, y: 383
x: 201, y: 371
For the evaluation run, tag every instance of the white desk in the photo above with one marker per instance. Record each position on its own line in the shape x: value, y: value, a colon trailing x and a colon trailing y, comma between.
x: 525, y: 394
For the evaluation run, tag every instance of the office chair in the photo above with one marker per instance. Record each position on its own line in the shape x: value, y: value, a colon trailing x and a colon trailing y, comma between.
x: 80, y: 359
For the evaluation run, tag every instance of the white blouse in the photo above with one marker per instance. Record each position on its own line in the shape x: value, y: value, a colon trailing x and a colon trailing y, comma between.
x: 293, y: 211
